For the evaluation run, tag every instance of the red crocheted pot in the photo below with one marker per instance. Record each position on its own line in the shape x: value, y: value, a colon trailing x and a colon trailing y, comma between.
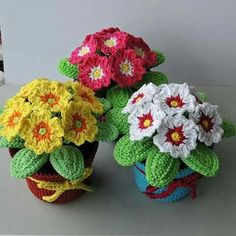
x: 48, y: 174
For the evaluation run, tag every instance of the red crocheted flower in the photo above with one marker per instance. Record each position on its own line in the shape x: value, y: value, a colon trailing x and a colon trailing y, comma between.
x: 110, y: 30
x: 142, y: 50
x: 95, y: 72
x: 110, y: 43
x: 127, y: 68
x: 88, y: 47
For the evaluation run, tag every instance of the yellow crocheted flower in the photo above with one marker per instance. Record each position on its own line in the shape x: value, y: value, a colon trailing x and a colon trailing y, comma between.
x: 13, y: 117
x: 87, y: 96
x: 42, y: 133
x: 78, y: 123
x: 52, y: 96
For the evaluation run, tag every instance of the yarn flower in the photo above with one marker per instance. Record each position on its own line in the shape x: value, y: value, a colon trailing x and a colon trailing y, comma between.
x: 127, y: 68
x: 95, y: 72
x: 144, y: 121
x: 142, y: 50
x: 175, y: 98
x: 13, y: 117
x: 87, y: 96
x: 88, y: 47
x: 209, y: 122
x: 110, y: 43
x: 42, y: 133
x: 143, y: 95
x: 176, y: 135
x: 78, y: 123
x: 51, y: 96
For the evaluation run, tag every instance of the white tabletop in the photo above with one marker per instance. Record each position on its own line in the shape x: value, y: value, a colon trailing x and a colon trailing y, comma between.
x: 116, y: 207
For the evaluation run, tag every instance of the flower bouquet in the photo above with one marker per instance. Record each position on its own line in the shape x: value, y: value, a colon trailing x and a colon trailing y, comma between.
x: 170, y: 140
x: 51, y: 130
x: 114, y: 64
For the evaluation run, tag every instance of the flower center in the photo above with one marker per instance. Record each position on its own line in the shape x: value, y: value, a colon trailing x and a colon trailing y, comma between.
x: 14, y: 119
x: 137, y: 98
x: 174, y: 102
x: 110, y: 42
x: 78, y: 124
x: 126, y: 68
x: 175, y: 136
x: 42, y: 131
x: 145, y: 121
x: 139, y: 52
x: 84, y: 50
x: 206, y: 123
x: 50, y: 99
x: 96, y: 73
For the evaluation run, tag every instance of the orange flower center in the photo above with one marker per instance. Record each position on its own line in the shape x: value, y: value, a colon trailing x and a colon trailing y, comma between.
x: 86, y: 97
x: 79, y: 123
x: 42, y: 131
x: 51, y: 99
x: 14, y: 119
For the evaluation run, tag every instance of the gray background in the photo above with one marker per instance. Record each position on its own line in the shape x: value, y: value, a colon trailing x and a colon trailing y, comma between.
x: 197, y: 37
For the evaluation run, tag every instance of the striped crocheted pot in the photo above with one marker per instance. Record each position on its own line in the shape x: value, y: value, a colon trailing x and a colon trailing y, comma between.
x: 64, y: 191
x: 183, y: 184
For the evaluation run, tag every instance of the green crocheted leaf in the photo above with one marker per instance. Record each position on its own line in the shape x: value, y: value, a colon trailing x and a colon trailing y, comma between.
x: 160, y: 168
x: 160, y: 58
x: 201, y: 96
x: 68, y: 69
x: 15, y: 143
x: 127, y: 152
x: 106, y: 104
x: 118, y: 119
x: 203, y: 160
x: 25, y: 163
x: 68, y: 162
x: 106, y: 132
x: 229, y: 128
x: 118, y: 97
x: 154, y: 77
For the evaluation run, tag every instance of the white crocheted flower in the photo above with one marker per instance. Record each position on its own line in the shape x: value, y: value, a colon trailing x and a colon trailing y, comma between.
x: 208, y: 121
x: 144, y: 121
x: 175, y: 98
x: 143, y: 95
x: 176, y: 135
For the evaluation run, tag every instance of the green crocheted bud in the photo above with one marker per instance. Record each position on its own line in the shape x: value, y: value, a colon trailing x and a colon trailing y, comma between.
x: 26, y: 162
x: 129, y: 152
x: 160, y: 168
x: 106, y: 132
x: 203, y: 160
x: 68, y: 69
x: 160, y: 58
x: 68, y: 162
x: 15, y: 143
x: 118, y: 97
x: 154, y: 77
x: 105, y: 103
x: 229, y: 129
x: 118, y: 119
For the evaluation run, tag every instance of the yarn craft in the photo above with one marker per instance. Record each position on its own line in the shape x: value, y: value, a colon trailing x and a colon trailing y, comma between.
x: 170, y: 126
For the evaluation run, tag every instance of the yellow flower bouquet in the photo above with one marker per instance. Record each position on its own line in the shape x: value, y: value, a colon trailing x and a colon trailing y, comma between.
x: 52, y: 130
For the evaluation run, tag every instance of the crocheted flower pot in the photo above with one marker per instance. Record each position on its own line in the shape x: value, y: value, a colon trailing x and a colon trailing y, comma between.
x: 182, y: 185
x: 49, y: 186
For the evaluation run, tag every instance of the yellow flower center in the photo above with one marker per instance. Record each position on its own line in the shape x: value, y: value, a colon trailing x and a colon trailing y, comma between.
x: 205, y: 123
x: 110, y: 42
x: 147, y: 123
x: 174, y: 103
x: 125, y: 68
x: 175, y: 136
x: 83, y: 51
x: 97, y: 73
x: 16, y: 120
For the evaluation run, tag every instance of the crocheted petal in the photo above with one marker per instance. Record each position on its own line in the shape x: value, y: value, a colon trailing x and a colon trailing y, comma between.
x: 15, y: 143
x: 160, y: 168
x: 154, y: 77
x: 68, y: 162
x: 203, y: 160
x: 26, y: 162
x: 160, y: 58
x: 118, y: 97
x: 127, y: 152
x: 68, y: 69
x: 105, y: 103
x: 106, y: 132
x: 119, y: 120
x: 229, y: 128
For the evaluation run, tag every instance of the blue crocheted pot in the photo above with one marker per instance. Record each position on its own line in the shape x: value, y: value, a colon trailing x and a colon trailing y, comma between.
x: 182, y: 185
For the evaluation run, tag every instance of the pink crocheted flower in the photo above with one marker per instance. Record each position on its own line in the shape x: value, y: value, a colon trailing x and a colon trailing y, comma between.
x: 142, y: 50
x: 88, y: 47
x: 127, y: 68
x: 110, y: 43
x: 95, y: 72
